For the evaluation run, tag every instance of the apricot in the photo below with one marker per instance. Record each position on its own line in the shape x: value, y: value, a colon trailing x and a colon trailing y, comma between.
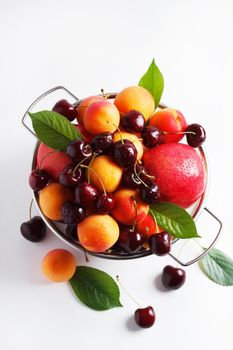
x: 98, y: 233
x: 169, y: 120
x: 59, y: 265
x: 135, y: 97
x: 52, y: 198
x: 82, y: 107
x: 148, y: 226
x: 132, y: 137
x: 109, y: 172
x: 124, y: 209
x: 53, y: 162
x: 101, y: 116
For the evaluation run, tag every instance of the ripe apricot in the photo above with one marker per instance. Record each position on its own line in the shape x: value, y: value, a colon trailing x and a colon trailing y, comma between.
x: 148, y: 226
x: 124, y: 209
x: 109, y: 172
x: 82, y: 107
x: 101, y: 116
x: 132, y: 137
x: 59, y: 265
x: 98, y: 233
x: 52, y: 198
x: 135, y: 97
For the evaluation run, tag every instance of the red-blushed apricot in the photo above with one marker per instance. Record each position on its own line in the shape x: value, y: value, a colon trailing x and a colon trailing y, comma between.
x: 101, y: 116
x: 169, y: 120
x: 109, y: 172
x: 148, y: 226
x: 52, y: 198
x: 137, y: 98
x: 82, y: 107
x: 132, y: 137
x: 124, y: 209
x: 98, y: 233
x: 59, y: 265
x: 53, y: 162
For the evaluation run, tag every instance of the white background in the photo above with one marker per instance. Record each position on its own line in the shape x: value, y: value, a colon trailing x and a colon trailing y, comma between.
x: 89, y: 45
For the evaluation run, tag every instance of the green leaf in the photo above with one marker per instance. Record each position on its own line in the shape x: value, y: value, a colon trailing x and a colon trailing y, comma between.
x: 218, y: 267
x: 54, y: 129
x: 153, y: 81
x: 95, y: 288
x: 174, y: 220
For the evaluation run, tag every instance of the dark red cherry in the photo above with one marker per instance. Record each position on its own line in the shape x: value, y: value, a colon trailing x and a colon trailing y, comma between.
x: 105, y: 203
x: 133, y: 121
x: 72, y: 213
x: 172, y: 277
x: 125, y: 154
x: 160, y: 243
x: 70, y: 177
x: 150, y: 194
x: 131, y: 241
x: 66, y: 109
x: 38, y: 179
x: 130, y: 179
x: 196, y: 135
x: 78, y: 150
x: 86, y: 195
x: 145, y: 317
x: 71, y: 232
x: 33, y: 230
x: 151, y: 136
x: 101, y: 142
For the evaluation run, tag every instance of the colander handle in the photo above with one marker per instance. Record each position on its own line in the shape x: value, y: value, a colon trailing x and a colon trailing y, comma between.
x: 40, y: 98
x: 199, y: 257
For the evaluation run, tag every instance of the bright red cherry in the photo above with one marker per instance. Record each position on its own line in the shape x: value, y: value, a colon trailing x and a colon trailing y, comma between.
x: 172, y: 277
x: 125, y: 154
x: 160, y: 243
x: 196, y: 135
x: 145, y: 317
x: 38, y: 179
x: 133, y: 121
x: 66, y: 109
x: 86, y: 195
x: 105, y: 203
x: 78, y: 150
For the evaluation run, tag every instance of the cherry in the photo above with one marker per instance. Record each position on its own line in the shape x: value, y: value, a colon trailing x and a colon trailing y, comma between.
x: 71, y: 232
x: 78, y: 150
x: 38, y: 179
x: 145, y: 317
x: 151, y: 136
x: 70, y: 176
x: 133, y: 121
x: 105, y: 203
x: 101, y: 142
x: 66, y: 109
x: 72, y: 213
x: 33, y: 230
x: 150, y: 194
x: 86, y: 195
x: 172, y: 277
x: 195, y: 135
x: 129, y: 240
x: 130, y: 179
x: 160, y: 243
x: 124, y: 153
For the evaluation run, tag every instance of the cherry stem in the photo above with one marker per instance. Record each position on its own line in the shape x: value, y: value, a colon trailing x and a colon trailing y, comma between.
x: 106, y: 96
x: 76, y: 167
x: 30, y: 209
x: 45, y: 156
x: 88, y: 174
x: 126, y: 291
x: 178, y: 133
x: 88, y: 167
x: 137, y: 175
x: 136, y: 213
x: 85, y: 254
x: 118, y: 129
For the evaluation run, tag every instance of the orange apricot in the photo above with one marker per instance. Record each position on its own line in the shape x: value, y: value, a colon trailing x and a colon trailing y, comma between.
x: 101, y: 116
x: 132, y: 137
x: 52, y: 198
x: 108, y: 171
x: 59, y: 265
x: 84, y: 104
x: 98, y: 233
x: 135, y: 97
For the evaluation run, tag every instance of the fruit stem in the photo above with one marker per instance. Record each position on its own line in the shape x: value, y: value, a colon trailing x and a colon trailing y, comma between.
x: 76, y: 167
x: 118, y: 129
x: 106, y: 96
x: 178, y: 133
x: 85, y: 254
x: 136, y: 213
x: 88, y: 174
x: 88, y: 167
x: 135, y: 172
x: 45, y: 156
x: 30, y: 209
x: 126, y: 291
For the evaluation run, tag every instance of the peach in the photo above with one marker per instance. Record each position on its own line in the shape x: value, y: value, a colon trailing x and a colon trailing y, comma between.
x: 98, y: 233
x: 124, y: 209
x: 109, y: 172
x: 179, y: 172
x: 52, y: 198
x: 53, y: 162
x: 85, y: 103
x: 135, y: 97
x: 101, y: 116
x: 132, y: 137
x: 148, y: 226
x: 169, y: 120
x: 59, y: 265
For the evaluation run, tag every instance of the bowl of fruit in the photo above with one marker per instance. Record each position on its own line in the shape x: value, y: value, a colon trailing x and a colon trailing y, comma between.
x: 118, y: 175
